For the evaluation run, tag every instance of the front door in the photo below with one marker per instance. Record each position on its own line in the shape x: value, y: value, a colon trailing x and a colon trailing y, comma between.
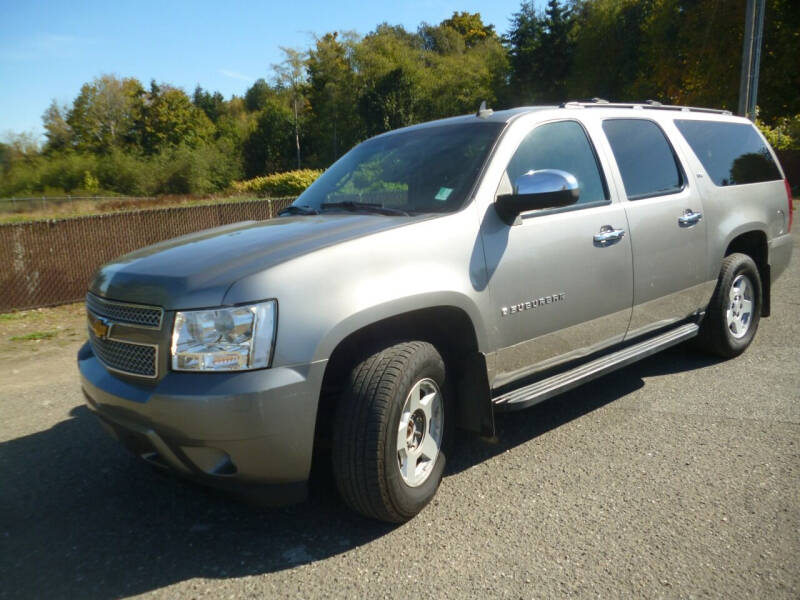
x: 560, y: 279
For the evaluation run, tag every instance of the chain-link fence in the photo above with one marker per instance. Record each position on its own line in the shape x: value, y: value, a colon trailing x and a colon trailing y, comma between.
x: 44, y: 263
x: 56, y: 203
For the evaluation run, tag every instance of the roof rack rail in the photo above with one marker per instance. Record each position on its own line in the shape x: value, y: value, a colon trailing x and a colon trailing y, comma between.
x: 649, y: 104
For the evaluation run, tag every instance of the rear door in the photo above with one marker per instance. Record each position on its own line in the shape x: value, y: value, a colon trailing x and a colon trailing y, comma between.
x: 667, y: 225
x: 560, y: 278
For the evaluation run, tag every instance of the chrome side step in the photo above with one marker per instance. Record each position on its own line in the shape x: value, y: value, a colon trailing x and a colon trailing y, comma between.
x: 547, y: 388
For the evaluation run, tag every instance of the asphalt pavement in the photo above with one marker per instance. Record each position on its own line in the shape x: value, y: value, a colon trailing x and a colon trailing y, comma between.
x: 678, y: 477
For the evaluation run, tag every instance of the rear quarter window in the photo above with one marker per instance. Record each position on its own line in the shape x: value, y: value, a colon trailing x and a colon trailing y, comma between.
x: 731, y: 153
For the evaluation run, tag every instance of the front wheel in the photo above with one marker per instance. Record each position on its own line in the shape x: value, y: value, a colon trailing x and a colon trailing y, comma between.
x: 735, y: 309
x: 390, y: 432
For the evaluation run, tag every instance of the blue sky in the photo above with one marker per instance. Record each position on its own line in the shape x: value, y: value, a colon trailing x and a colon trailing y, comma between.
x: 49, y: 49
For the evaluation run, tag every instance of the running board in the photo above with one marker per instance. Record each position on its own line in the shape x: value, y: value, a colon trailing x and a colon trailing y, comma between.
x: 547, y: 388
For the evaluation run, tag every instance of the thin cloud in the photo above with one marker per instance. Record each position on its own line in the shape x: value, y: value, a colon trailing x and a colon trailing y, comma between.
x: 236, y: 75
x: 47, y: 45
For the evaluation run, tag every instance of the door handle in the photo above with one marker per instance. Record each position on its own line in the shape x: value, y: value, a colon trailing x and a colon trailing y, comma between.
x: 689, y: 218
x: 607, y: 236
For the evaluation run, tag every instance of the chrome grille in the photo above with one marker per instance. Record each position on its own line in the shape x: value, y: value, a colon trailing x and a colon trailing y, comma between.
x: 135, y: 359
x: 121, y: 312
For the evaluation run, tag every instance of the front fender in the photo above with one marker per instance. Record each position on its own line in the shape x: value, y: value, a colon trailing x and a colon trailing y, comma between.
x: 396, y: 307
x: 326, y: 295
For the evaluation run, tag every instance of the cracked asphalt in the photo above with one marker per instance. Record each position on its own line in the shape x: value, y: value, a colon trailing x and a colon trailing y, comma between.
x: 678, y: 477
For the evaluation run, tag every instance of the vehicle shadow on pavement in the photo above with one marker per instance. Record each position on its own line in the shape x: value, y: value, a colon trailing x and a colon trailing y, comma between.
x: 515, y: 428
x: 81, y: 518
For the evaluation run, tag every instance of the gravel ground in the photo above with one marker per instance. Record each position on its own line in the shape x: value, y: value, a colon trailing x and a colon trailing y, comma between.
x: 678, y: 477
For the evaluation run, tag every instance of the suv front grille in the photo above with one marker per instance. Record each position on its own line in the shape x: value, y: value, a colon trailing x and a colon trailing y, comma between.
x: 134, y: 359
x: 131, y: 314
x: 109, y: 326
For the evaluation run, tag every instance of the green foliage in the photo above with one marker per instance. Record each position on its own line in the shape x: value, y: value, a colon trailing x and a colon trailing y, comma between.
x: 390, y: 104
x: 682, y: 52
x: 90, y: 183
x: 290, y: 183
x: 290, y: 75
x: 784, y: 135
x: 103, y: 116
x: 116, y: 136
x: 179, y: 170
x: 268, y: 148
x: 257, y: 95
x: 779, y: 79
x: 470, y: 27
x: 606, y: 28
x: 331, y: 81
x: 540, y: 48
x: 58, y: 132
x: 171, y: 120
x: 211, y: 104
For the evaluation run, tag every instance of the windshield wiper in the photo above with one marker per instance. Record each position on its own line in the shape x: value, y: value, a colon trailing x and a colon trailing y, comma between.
x: 293, y: 209
x: 365, y: 206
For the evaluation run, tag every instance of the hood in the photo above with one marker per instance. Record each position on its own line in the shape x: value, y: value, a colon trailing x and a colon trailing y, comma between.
x: 195, y: 270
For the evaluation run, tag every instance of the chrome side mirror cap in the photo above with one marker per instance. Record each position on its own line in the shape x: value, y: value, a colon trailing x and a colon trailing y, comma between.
x: 546, y: 181
x: 537, y: 190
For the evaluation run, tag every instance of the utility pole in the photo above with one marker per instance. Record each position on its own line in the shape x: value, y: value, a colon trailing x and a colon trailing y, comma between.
x: 751, y: 58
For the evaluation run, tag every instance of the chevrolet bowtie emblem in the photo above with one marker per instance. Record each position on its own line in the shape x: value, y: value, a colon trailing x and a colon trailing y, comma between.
x: 100, y: 328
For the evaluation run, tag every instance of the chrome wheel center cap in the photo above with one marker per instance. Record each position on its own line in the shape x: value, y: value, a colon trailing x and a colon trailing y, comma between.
x: 419, y: 432
x: 415, y: 430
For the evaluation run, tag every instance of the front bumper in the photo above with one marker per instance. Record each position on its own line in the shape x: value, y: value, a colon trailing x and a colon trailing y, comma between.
x: 251, y: 430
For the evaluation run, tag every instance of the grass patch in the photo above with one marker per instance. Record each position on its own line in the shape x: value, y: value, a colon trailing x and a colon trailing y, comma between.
x: 19, y: 315
x: 34, y: 335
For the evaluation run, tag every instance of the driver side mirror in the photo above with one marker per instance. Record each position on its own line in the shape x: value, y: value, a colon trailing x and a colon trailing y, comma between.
x: 536, y: 190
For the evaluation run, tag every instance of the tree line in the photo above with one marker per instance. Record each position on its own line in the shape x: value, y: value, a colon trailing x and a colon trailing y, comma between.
x: 122, y: 136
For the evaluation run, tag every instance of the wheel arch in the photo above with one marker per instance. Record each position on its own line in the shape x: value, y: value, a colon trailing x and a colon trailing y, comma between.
x: 449, y: 329
x: 754, y: 244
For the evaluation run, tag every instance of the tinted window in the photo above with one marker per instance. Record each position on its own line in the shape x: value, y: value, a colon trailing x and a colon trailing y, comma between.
x: 430, y: 169
x: 644, y: 157
x: 562, y: 145
x: 731, y: 153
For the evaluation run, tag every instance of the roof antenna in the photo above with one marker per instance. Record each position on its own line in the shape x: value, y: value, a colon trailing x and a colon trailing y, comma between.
x: 483, y: 112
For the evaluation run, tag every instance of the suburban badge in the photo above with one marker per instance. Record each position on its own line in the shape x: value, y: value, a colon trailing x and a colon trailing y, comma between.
x: 535, y: 303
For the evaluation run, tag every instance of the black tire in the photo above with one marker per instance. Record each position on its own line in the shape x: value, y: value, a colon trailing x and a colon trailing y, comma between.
x: 716, y: 336
x: 365, y: 432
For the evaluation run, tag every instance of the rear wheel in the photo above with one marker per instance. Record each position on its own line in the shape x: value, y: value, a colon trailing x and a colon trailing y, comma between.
x: 389, y: 432
x: 735, y: 309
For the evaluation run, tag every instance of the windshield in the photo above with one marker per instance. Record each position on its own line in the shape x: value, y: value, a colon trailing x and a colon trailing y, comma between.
x: 431, y: 169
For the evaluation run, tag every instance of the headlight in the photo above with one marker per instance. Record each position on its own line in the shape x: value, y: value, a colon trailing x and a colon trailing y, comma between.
x: 224, y: 339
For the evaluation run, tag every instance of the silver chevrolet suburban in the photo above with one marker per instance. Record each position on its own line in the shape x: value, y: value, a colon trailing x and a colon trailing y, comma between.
x: 431, y: 277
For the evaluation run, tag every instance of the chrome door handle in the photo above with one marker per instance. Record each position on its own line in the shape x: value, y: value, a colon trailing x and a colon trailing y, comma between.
x: 607, y: 236
x: 689, y: 218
